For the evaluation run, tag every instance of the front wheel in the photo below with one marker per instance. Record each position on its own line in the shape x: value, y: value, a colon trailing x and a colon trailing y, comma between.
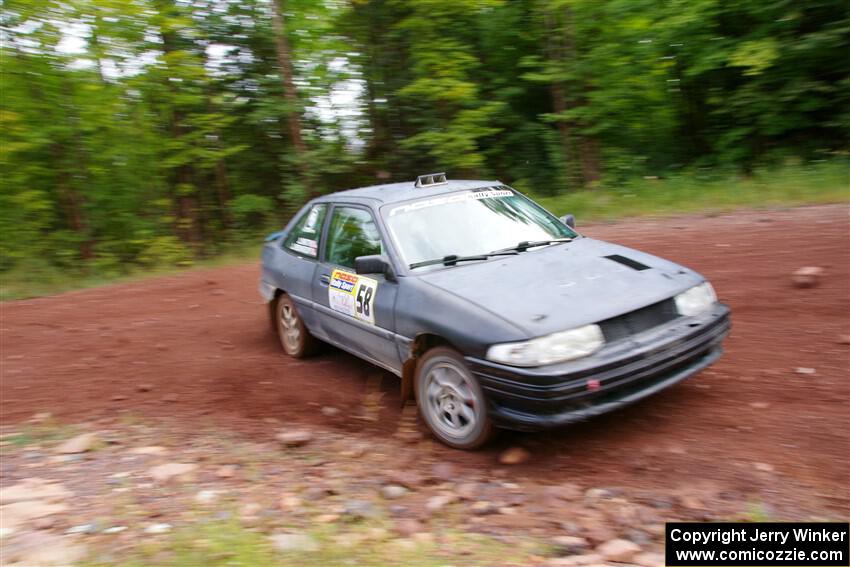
x: 294, y: 337
x: 450, y: 400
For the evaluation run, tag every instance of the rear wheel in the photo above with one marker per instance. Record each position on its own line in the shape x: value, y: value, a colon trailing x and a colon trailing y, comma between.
x: 450, y: 400
x: 294, y: 337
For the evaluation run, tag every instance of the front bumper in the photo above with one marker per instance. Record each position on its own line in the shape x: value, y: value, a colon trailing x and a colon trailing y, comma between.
x: 621, y: 373
x: 266, y: 290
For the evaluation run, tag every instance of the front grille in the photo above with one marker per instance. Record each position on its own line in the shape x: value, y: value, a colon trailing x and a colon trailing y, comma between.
x: 638, y: 321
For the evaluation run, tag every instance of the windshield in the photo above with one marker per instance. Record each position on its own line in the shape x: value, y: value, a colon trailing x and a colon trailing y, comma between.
x: 469, y: 223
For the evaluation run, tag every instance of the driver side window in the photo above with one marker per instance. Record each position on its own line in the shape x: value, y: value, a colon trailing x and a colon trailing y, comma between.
x: 352, y: 233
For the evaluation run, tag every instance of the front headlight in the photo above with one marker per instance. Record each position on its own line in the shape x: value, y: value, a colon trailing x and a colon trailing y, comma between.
x: 696, y: 300
x: 557, y: 347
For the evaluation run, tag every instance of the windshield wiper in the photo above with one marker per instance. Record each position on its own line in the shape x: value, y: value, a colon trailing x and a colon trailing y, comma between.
x: 453, y: 259
x: 526, y: 244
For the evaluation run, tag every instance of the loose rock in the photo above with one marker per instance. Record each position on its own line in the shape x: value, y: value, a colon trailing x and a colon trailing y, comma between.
x: 393, y: 491
x: 168, y: 471
x: 206, y: 496
x: 82, y: 529
x: 806, y: 277
x: 566, y: 491
x: 78, y: 444
x: 619, y: 550
x: 360, y: 509
x: 597, y: 494
x: 316, y: 493
x: 444, y: 472
x: 575, y: 560
x: 149, y: 450
x: 296, y: 438
x: 115, y: 530
x: 349, y: 539
x: 249, y: 512
x: 43, y: 549
x: 468, y: 491
x: 44, y: 523
x: 226, y: 471
x: 514, y: 456
x: 294, y: 542
x: 647, y: 559
x: 691, y: 502
x: 155, y: 529
x: 407, y: 479
x: 570, y: 545
x: 18, y: 513
x: 482, y: 508
x: 290, y: 502
x: 440, y: 501
x: 407, y: 527
x: 33, y: 489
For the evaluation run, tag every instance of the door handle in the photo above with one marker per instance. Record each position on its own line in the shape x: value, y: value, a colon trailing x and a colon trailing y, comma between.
x: 325, y: 279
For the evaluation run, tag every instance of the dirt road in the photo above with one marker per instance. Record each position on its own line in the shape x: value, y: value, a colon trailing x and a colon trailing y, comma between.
x: 768, y: 424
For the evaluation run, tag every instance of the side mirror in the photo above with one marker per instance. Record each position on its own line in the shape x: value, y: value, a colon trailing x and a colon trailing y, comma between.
x: 569, y: 220
x: 374, y: 264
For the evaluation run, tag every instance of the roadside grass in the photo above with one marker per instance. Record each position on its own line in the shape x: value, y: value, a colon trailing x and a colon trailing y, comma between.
x: 708, y: 193
x: 38, y: 279
x: 686, y: 193
x: 46, y: 432
x: 220, y: 543
x: 755, y: 512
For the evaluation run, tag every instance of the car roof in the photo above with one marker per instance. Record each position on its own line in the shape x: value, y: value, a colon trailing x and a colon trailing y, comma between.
x: 397, y: 192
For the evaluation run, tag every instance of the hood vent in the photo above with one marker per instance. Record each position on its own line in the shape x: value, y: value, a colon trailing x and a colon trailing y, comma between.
x: 633, y: 264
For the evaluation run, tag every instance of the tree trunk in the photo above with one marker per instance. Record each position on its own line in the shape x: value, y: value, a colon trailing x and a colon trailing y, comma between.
x: 556, y: 49
x: 284, y: 60
x: 223, y: 190
x: 71, y: 202
x: 590, y: 162
x: 97, y: 47
x: 185, y: 204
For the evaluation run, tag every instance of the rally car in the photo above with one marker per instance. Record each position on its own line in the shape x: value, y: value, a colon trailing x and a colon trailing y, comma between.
x: 492, y: 311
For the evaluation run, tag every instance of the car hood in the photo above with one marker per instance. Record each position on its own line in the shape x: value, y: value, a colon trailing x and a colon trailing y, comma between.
x: 565, y: 285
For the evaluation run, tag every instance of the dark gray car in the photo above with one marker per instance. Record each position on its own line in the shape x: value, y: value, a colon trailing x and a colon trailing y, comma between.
x: 493, y: 312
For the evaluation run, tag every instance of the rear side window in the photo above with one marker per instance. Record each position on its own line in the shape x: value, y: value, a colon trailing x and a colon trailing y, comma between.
x: 304, y: 237
x: 352, y: 233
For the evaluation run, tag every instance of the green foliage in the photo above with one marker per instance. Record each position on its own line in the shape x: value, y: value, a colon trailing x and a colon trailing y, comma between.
x: 165, y: 251
x: 251, y: 211
x: 156, y: 132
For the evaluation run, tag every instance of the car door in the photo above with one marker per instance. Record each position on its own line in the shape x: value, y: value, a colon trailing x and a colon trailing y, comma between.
x: 355, y: 311
x: 299, y: 261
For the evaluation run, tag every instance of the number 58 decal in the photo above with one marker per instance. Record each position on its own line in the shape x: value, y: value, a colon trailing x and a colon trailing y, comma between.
x: 353, y: 295
x: 365, y: 294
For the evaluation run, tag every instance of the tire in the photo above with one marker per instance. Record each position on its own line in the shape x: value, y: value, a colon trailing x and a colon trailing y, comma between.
x: 293, y: 335
x: 451, y: 401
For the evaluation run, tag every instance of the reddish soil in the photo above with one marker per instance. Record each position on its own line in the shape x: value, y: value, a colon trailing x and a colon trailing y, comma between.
x: 751, y: 428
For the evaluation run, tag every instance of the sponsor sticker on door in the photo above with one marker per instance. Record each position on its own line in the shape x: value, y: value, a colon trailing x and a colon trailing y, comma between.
x: 353, y: 295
